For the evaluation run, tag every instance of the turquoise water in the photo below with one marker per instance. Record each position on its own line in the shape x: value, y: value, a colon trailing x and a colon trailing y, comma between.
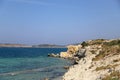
x: 30, y: 64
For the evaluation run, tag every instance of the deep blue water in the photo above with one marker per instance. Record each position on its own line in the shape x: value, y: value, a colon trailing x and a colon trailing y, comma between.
x: 30, y: 63
x: 27, y: 52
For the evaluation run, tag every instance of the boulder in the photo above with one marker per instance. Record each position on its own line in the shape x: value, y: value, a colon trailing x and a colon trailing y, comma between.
x: 72, y: 49
x: 80, y: 53
x: 65, y: 55
x: 66, y: 67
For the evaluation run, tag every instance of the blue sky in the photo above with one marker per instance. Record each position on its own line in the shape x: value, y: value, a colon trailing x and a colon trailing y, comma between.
x: 58, y: 21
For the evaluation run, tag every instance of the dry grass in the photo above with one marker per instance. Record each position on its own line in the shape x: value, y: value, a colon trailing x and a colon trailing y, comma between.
x: 106, y: 51
x: 93, y: 42
x: 112, y: 43
x: 106, y: 67
x: 116, y: 60
x: 93, y: 52
x: 91, y: 66
x: 115, y: 75
x: 97, y: 42
x: 101, y: 55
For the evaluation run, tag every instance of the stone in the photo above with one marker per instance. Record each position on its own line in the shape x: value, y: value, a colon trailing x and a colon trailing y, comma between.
x: 72, y: 49
x: 46, y: 79
x: 66, y: 67
x: 65, y: 55
x: 80, y: 53
x: 53, y: 55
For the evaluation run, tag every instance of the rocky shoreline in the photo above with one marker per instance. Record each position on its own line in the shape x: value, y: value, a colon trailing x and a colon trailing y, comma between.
x: 94, y: 60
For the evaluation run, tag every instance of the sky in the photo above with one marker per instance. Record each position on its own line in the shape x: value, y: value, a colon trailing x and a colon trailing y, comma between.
x: 58, y: 21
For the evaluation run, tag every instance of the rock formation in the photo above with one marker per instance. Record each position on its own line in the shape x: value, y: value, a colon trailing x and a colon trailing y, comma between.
x: 53, y: 55
x: 101, y: 61
x: 71, y: 52
x: 65, y: 55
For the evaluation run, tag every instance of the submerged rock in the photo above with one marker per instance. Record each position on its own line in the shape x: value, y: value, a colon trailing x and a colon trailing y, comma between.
x: 53, y: 55
x: 46, y: 79
x: 66, y: 67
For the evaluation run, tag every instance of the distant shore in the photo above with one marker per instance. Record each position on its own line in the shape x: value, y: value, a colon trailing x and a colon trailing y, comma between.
x: 8, y: 45
x: 14, y: 45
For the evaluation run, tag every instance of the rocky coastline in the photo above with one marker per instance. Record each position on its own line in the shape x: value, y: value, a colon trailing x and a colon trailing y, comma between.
x: 94, y: 60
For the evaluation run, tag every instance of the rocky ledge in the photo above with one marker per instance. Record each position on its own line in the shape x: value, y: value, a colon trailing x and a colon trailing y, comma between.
x: 74, y: 52
x: 101, y: 61
x: 95, y: 60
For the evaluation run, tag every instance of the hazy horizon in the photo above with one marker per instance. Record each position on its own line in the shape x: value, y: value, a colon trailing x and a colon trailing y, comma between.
x: 58, y: 21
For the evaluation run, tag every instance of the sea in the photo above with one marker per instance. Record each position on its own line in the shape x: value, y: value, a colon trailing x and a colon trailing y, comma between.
x: 31, y: 64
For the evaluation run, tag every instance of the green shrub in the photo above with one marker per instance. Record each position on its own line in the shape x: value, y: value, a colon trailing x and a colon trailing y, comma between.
x: 115, y: 75
x: 84, y: 44
x: 112, y: 43
x: 115, y: 79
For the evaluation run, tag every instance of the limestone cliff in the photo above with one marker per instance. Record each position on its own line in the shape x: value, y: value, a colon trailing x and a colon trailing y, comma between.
x: 101, y: 61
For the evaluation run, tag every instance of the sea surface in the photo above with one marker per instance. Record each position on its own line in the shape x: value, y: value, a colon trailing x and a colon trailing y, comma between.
x: 31, y: 64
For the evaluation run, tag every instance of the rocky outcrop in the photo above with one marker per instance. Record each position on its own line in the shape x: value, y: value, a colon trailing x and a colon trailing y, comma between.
x: 101, y: 61
x: 80, y: 53
x: 65, y: 55
x: 71, y: 52
x: 73, y: 49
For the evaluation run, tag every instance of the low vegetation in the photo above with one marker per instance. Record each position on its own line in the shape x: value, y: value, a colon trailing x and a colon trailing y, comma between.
x: 108, y: 49
x: 112, y: 43
x: 93, y: 51
x: 106, y: 67
x: 115, y: 75
x: 84, y: 44
x: 97, y: 42
x: 116, y: 60
x: 93, y: 42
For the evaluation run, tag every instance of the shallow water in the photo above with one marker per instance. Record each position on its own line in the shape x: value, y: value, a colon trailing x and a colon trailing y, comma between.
x: 30, y: 64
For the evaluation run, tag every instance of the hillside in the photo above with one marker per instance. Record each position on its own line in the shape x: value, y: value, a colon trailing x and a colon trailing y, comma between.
x: 95, y: 60
x: 48, y: 46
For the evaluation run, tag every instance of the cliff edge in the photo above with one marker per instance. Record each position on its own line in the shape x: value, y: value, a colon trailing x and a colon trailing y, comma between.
x: 96, y: 60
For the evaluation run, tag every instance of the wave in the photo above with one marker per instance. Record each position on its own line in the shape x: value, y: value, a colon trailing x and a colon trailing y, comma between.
x: 46, y: 69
